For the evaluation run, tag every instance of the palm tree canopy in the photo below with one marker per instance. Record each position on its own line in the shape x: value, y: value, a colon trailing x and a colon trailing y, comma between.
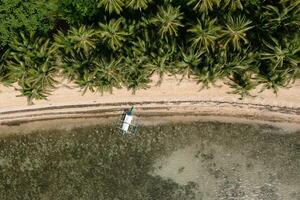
x: 129, y: 40
x: 3, y: 68
x: 112, y: 5
x: 82, y: 38
x: 274, y: 80
x: 138, y: 4
x: 63, y: 43
x: 204, y: 34
x: 74, y: 64
x: 112, y: 33
x: 168, y: 19
x: 275, y: 18
x: 107, y: 74
x: 281, y: 56
x: 281, y: 61
x: 76, y: 39
x: 32, y: 63
x: 96, y: 73
x: 241, y: 62
x: 192, y: 58
x: 242, y: 84
x: 235, y: 31
x: 203, y: 5
x: 233, y: 5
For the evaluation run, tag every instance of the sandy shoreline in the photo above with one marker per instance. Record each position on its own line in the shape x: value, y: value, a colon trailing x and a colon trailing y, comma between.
x: 170, y: 100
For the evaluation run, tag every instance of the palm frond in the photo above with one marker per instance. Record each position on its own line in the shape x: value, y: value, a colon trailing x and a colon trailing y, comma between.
x: 204, y: 34
x: 203, y: 5
x: 112, y: 33
x: 112, y: 5
x: 235, y: 31
x: 168, y: 20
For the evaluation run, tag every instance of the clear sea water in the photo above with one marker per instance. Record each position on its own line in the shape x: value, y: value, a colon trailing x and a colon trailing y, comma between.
x: 169, y: 162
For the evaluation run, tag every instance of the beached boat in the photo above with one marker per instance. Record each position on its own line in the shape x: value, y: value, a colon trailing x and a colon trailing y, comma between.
x: 128, y: 123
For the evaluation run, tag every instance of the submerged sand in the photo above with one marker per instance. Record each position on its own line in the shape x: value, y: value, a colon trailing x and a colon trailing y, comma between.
x: 232, y: 173
x: 190, y: 161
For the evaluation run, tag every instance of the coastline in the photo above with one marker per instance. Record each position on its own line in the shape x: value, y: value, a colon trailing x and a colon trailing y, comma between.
x: 166, y: 102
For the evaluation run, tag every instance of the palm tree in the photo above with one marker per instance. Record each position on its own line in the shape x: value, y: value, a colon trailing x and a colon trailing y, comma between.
x: 242, y: 84
x: 33, y: 92
x: 73, y: 65
x: 140, y: 49
x: 280, y: 56
x: 241, y: 69
x: 208, y: 71
x: 204, y: 34
x: 190, y: 61
x: 77, y: 48
x: 112, y: 5
x: 208, y: 76
x: 295, y: 3
x: 107, y: 74
x: 241, y: 62
x: 32, y: 63
x: 135, y: 74
x: 160, y: 65
x: 232, y: 4
x: 203, y: 5
x: 274, y: 80
x: 134, y: 66
x: 82, y: 38
x: 235, y: 31
x: 3, y: 68
x: 138, y: 4
x: 162, y: 59
x: 192, y: 58
x: 63, y: 43
x: 113, y: 33
x: 281, y: 63
x: 168, y: 20
x: 95, y: 73
x: 281, y: 19
x: 86, y: 81
x: 77, y: 39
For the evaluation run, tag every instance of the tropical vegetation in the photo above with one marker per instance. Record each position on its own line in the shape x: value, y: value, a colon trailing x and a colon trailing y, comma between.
x: 105, y: 44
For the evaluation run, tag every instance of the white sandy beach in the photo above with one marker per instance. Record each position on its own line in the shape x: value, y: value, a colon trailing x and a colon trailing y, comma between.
x: 170, y: 99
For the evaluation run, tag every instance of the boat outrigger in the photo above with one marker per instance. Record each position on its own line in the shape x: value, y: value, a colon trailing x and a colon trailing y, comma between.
x: 129, y: 122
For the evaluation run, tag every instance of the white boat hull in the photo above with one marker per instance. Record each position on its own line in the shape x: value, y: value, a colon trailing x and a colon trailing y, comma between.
x: 126, y: 122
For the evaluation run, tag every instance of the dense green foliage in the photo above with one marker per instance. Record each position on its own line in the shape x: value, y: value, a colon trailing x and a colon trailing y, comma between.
x: 76, y: 11
x: 24, y: 15
x: 106, y: 44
